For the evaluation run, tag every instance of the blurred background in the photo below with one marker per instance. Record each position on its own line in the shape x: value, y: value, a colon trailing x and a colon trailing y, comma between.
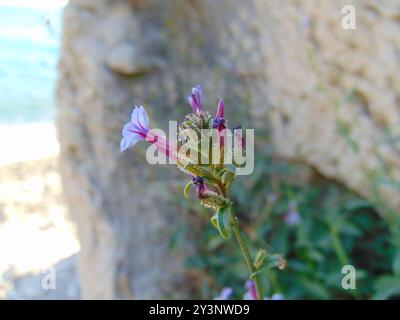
x: 35, y: 232
x: 319, y: 82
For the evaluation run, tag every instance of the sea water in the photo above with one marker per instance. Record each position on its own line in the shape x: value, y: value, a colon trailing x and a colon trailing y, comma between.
x: 30, y: 34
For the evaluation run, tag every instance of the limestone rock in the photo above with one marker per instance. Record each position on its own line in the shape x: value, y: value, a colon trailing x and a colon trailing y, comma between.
x: 125, y: 220
x: 333, y: 93
x: 329, y: 96
x: 122, y: 60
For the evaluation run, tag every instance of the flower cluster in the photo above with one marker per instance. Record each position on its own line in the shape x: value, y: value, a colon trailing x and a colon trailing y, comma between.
x: 205, y: 143
x: 206, y: 150
x: 201, y: 151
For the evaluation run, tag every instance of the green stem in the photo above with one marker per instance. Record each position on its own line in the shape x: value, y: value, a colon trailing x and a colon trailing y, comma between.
x: 338, y: 247
x: 246, y: 254
x: 341, y: 254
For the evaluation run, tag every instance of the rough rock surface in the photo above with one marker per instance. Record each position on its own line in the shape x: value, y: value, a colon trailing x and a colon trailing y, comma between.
x: 30, y: 286
x: 335, y: 93
x: 329, y: 96
x: 124, y: 216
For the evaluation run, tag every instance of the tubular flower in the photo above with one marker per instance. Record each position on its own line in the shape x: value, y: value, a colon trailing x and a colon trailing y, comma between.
x: 200, y: 187
x: 219, y: 120
x: 135, y: 130
x: 195, y: 99
x: 250, y: 293
x: 138, y: 129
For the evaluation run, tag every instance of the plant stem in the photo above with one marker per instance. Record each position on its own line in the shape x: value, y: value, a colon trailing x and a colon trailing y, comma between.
x: 341, y: 254
x: 242, y: 244
x: 246, y: 253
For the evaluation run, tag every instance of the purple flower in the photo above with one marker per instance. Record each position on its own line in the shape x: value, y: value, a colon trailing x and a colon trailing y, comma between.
x: 225, y: 294
x: 138, y: 129
x: 195, y: 99
x: 200, y: 186
x: 292, y: 217
x: 277, y: 296
x: 135, y: 130
x: 220, y: 109
x: 251, y: 293
x: 219, y: 120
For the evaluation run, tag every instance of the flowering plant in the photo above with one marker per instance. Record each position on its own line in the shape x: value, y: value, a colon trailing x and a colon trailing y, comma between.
x: 210, y: 153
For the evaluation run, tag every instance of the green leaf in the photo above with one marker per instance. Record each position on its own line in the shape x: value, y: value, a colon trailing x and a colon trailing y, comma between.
x: 386, y: 287
x: 350, y: 229
x: 260, y: 258
x: 227, y: 177
x: 231, y: 168
x: 214, y: 220
x: 222, y: 221
x: 264, y: 261
x: 221, y: 172
x: 275, y: 261
x: 315, y: 288
x: 358, y: 205
x: 186, y: 189
x: 200, y: 171
x: 254, y: 274
x: 396, y: 263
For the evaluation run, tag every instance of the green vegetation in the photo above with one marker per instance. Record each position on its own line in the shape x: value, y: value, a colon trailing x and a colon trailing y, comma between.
x: 336, y: 228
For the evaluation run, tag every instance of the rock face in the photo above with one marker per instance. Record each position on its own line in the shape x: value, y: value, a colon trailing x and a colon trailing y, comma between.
x: 335, y: 94
x: 329, y: 96
x: 121, y: 205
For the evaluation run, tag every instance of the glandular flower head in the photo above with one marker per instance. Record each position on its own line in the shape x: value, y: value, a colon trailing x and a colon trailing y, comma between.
x: 197, y: 121
x: 213, y: 200
x: 190, y: 139
x: 201, y: 149
x: 204, y: 141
